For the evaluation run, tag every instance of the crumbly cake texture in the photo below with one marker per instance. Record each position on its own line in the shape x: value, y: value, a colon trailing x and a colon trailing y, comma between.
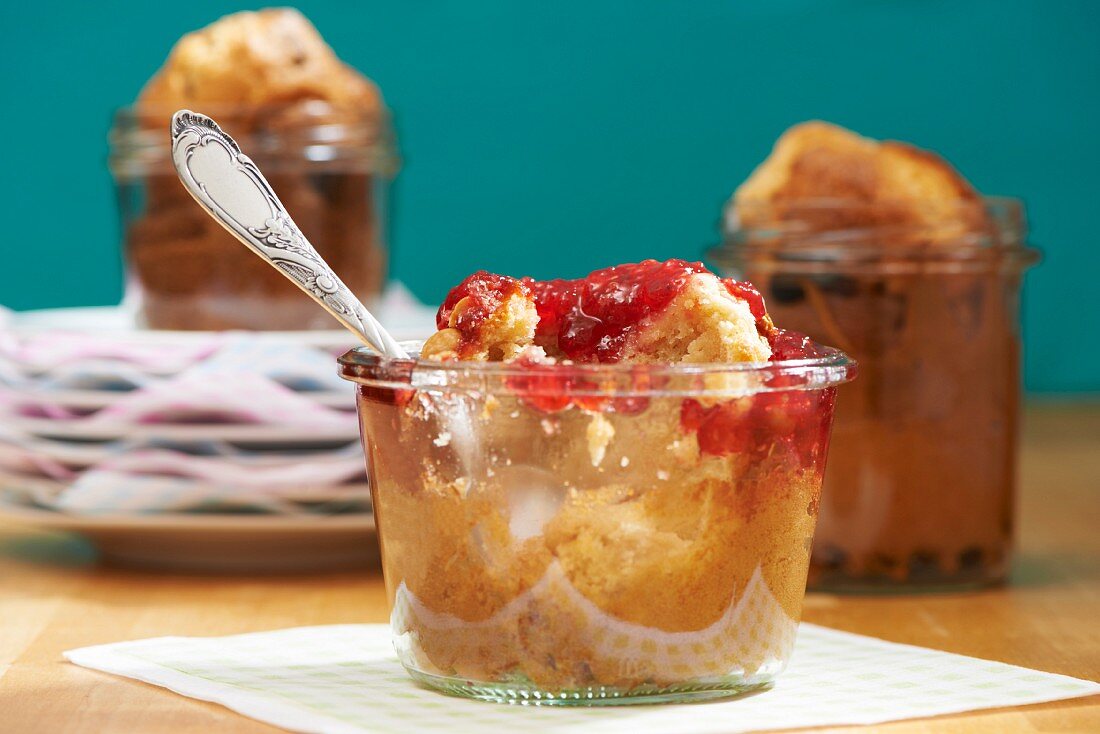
x: 578, y: 543
x: 900, y: 184
x: 656, y: 565
x: 703, y: 324
x: 268, y: 58
x: 699, y: 320
x: 504, y: 332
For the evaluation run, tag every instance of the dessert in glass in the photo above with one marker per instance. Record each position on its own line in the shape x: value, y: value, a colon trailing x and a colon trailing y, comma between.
x: 886, y: 251
x: 598, y: 491
x: 317, y: 128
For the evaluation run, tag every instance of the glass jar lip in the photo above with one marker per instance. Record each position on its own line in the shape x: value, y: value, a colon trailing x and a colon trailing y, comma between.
x: 366, y: 367
x: 308, y: 131
x: 805, y: 234
x: 303, y: 109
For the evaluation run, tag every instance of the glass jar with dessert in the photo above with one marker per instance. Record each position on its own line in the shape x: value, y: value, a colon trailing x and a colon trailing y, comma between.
x: 317, y: 128
x: 885, y: 251
x: 598, y: 491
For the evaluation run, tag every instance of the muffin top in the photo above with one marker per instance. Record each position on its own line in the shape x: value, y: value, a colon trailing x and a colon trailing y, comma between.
x: 822, y: 176
x: 268, y: 58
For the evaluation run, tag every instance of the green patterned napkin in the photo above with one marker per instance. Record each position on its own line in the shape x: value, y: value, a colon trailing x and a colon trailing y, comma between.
x: 345, y: 679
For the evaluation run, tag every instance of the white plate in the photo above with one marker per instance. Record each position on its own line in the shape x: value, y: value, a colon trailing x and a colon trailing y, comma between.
x: 406, y: 323
x: 42, y: 491
x: 217, y: 543
x: 242, y: 433
x: 99, y: 399
x: 119, y: 322
x: 76, y: 455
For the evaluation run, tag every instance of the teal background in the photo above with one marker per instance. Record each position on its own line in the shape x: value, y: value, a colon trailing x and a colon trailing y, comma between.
x: 552, y: 138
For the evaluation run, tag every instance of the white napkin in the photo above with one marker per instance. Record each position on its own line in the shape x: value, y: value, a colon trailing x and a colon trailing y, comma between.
x: 346, y: 679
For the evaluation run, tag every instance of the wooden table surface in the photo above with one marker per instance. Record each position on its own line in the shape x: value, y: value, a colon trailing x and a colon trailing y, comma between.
x: 54, y: 597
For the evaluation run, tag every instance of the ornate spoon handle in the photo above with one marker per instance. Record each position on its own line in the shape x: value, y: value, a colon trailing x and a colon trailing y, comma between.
x: 228, y: 185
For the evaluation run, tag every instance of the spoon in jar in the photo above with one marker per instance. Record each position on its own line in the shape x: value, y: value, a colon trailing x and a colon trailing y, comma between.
x: 228, y: 185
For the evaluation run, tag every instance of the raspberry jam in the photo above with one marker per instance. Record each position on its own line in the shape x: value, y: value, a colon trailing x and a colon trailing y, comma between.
x: 485, y: 292
x: 590, y: 318
x: 746, y: 291
x: 788, y: 345
x: 793, y: 421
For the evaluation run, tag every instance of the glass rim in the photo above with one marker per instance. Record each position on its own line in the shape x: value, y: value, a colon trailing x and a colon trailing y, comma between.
x: 364, y: 366
x: 890, y: 258
x: 898, y: 245
x: 380, y: 117
x: 320, y: 134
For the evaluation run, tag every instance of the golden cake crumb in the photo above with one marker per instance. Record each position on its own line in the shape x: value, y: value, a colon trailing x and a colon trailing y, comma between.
x: 503, y: 334
x: 599, y: 434
x: 704, y: 324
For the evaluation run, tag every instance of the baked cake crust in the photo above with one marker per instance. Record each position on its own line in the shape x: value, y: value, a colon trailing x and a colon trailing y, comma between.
x: 268, y: 58
x: 899, y: 183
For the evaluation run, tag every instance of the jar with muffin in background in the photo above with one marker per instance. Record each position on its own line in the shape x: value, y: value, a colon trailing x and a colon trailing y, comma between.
x: 887, y: 252
x: 317, y: 128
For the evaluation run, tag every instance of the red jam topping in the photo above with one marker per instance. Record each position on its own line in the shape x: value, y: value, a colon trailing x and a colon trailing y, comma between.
x: 590, y: 318
x: 795, y: 420
x: 788, y: 345
x: 486, y: 292
x: 746, y: 291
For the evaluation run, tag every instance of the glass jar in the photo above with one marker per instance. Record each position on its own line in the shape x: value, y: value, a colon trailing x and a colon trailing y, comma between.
x: 330, y: 167
x: 595, y: 534
x: 921, y: 481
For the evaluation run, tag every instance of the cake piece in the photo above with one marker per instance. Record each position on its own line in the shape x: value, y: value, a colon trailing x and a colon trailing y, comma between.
x: 647, y: 312
x: 487, y: 317
x: 815, y: 164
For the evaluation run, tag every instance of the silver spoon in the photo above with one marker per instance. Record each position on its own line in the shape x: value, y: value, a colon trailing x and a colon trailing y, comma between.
x: 228, y: 185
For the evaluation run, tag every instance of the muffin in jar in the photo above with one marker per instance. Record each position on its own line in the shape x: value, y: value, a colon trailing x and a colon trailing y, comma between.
x: 318, y: 129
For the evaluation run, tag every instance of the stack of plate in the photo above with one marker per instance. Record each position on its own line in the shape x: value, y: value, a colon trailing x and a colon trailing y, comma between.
x: 229, y: 450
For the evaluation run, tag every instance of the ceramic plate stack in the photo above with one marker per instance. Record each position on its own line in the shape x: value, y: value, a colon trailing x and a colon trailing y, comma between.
x: 208, y: 450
